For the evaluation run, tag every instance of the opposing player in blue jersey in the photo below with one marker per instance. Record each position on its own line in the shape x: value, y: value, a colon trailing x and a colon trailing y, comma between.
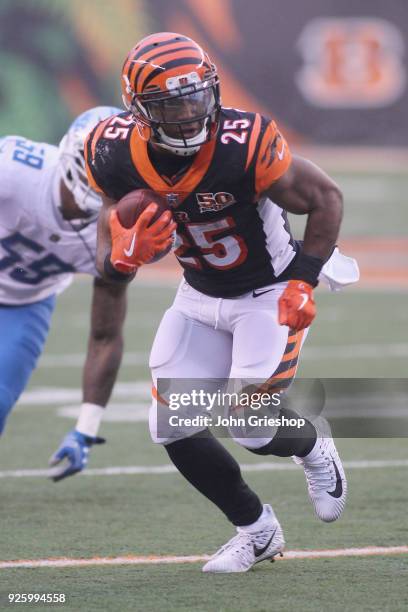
x: 48, y: 233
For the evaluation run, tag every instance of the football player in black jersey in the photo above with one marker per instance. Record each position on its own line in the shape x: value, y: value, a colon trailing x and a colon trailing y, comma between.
x: 246, y: 301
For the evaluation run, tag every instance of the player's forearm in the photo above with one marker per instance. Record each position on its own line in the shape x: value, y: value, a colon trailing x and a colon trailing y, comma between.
x: 101, y: 369
x: 306, y: 190
x: 103, y: 244
x: 105, y: 345
x: 323, y: 223
x: 104, y: 240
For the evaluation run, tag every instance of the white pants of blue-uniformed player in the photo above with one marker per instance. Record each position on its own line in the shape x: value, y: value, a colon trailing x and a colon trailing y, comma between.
x: 202, y: 337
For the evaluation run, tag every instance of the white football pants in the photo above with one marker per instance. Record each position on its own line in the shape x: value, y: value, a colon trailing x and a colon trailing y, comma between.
x: 214, y: 338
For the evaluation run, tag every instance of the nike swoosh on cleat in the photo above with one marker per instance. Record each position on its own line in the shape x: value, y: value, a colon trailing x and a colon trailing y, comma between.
x: 261, y: 293
x: 260, y: 551
x: 338, y: 491
x: 129, y: 252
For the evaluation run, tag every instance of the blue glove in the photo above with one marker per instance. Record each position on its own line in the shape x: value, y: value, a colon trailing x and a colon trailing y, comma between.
x: 73, y: 452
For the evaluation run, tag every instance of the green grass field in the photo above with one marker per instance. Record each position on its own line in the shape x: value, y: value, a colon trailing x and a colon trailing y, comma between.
x: 359, y: 333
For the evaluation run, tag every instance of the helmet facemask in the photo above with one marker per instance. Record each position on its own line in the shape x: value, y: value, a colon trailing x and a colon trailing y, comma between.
x: 72, y: 159
x: 73, y: 173
x: 184, y: 116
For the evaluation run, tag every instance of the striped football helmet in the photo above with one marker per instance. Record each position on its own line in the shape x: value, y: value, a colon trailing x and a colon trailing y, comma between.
x: 171, y: 87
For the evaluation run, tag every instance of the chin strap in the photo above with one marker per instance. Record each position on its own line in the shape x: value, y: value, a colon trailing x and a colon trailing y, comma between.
x: 181, y: 152
x: 176, y: 145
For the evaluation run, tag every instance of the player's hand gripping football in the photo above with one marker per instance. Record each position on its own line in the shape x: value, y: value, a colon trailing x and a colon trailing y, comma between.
x: 140, y: 243
x: 72, y: 455
x: 297, y: 308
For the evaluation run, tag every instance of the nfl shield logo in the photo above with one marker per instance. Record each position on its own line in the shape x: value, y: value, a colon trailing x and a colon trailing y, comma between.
x: 172, y: 200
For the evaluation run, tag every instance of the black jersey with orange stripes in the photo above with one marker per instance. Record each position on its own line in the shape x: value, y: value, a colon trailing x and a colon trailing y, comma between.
x: 230, y: 239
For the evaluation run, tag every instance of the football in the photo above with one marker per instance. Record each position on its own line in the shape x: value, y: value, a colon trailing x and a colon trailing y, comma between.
x: 131, y: 206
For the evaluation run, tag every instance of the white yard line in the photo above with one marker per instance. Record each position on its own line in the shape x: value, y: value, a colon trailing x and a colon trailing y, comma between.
x: 368, y: 551
x: 76, y: 360
x: 169, y: 469
x: 312, y: 353
x: 40, y: 396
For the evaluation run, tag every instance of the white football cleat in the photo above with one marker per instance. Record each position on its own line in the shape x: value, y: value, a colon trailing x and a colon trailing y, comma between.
x: 249, y: 547
x: 326, y: 480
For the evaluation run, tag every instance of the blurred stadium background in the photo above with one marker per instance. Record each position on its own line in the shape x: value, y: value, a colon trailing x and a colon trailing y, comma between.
x: 334, y: 75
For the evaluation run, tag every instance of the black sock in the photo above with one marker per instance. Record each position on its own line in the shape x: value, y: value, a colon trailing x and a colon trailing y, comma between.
x: 210, y: 468
x: 290, y: 441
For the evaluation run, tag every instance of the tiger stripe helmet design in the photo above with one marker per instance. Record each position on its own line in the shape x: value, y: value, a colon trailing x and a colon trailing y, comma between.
x: 171, y: 87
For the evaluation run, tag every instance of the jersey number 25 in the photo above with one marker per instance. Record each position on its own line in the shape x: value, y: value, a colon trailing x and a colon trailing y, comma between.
x: 220, y: 253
